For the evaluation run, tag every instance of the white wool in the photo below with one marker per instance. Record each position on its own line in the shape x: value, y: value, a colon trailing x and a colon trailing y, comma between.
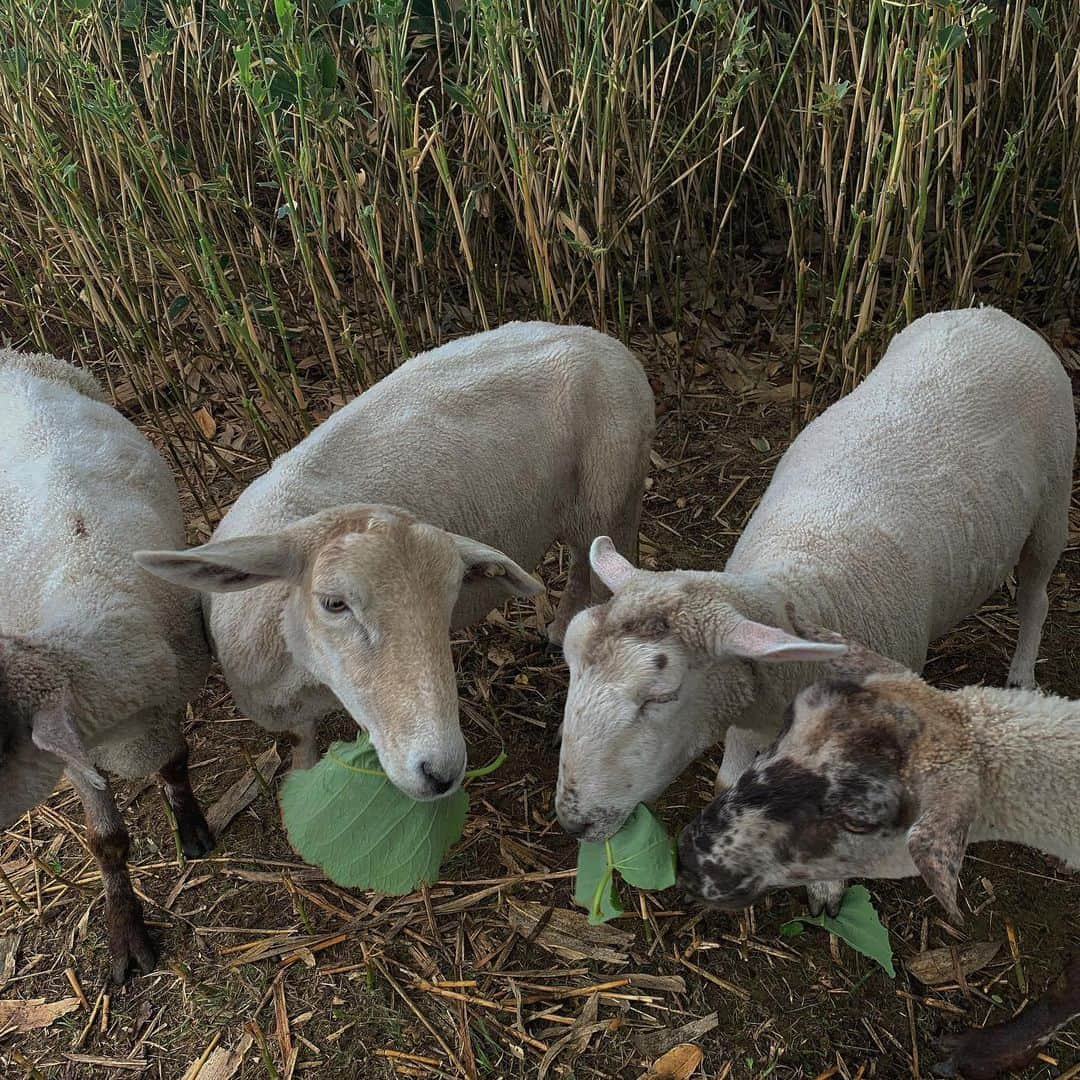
x: 891, y: 517
x: 514, y: 437
x: 80, y: 490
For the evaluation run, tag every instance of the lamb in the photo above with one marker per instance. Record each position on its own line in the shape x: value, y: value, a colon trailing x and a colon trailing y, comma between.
x: 877, y: 774
x: 892, y: 516
x: 362, y: 535
x: 97, y: 661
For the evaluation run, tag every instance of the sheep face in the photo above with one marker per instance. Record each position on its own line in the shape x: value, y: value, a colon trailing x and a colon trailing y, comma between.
x: 867, y: 778
x: 636, y: 712
x: 369, y: 602
x: 656, y: 675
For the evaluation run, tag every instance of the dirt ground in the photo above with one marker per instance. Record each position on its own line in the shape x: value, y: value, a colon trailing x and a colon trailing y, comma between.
x: 270, y: 971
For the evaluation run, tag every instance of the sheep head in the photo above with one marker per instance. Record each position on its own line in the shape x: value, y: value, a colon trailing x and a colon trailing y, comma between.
x: 874, y: 774
x: 656, y: 675
x: 368, y: 595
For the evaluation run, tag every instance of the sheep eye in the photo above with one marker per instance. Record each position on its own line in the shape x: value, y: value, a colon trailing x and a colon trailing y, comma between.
x: 333, y: 604
x: 857, y: 825
x: 663, y: 699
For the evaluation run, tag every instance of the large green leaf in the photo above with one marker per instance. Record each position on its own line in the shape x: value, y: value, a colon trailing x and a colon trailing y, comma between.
x: 642, y: 853
x: 858, y: 924
x: 345, y: 816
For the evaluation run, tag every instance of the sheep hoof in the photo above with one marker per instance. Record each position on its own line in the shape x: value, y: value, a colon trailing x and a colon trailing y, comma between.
x: 130, y: 944
x: 196, y: 839
x: 556, y: 739
x: 1021, y: 684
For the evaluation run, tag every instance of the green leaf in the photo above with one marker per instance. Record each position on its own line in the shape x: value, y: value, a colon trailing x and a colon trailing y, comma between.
x: 858, y: 924
x: 642, y: 853
x: 345, y: 816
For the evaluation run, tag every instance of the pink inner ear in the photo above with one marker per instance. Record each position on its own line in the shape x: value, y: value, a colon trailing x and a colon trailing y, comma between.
x: 756, y: 641
x: 608, y: 565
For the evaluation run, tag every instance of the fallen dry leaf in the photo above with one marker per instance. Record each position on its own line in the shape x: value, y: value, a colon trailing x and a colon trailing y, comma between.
x: 205, y: 421
x: 936, y: 967
x: 568, y: 933
x: 243, y: 792
x: 9, y: 947
x: 679, y: 1063
x: 32, y: 1013
x: 651, y: 1044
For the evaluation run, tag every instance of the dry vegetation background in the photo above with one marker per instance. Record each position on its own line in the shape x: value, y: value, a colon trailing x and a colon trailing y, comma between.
x: 241, y: 213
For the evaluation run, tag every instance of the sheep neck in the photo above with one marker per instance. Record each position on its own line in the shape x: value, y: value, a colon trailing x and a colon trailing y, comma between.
x: 1030, y: 745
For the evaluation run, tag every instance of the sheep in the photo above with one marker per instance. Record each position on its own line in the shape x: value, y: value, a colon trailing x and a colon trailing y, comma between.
x: 362, y: 535
x: 877, y: 774
x: 96, y: 661
x: 890, y: 517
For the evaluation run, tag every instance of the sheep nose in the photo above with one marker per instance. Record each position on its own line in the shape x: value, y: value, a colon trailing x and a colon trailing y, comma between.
x: 439, y: 783
x: 576, y: 828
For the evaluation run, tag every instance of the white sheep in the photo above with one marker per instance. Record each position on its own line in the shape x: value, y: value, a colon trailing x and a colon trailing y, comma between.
x: 97, y: 661
x: 891, y: 517
x: 362, y: 536
x: 878, y: 774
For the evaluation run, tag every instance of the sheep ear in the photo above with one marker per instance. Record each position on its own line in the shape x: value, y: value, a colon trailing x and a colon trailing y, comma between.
x: 740, y: 749
x: 482, y: 561
x: 938, y: 838
x: 755, y: 641
x: 53, y: 730
x: 229, y: 565
x: 608, y: 565
x: 857, y: 662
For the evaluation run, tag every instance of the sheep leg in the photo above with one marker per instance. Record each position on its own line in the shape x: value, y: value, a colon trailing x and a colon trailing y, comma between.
x: 825, y: 896
x: 1037, y: 561
x: 196, y: 838
x: 305, y: 746
x: 129, y: 941
x: 575, y: 596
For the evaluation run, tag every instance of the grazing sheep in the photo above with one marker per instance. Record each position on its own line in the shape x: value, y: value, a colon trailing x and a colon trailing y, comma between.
x: 97, y: 659
x: 516, y: 437
x: 891, y: 517
x: 877, y: 774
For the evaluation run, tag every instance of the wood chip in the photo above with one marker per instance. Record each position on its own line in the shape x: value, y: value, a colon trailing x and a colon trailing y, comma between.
x: 222, y: 1064
x: 28, y: 1015
x: 652, y: 1044
x: 679, y: 1063
x: 568, y: 933
x: 243, y: 792
x: 9, y: 948
x: 938, y: 967
x: 132, y: 1064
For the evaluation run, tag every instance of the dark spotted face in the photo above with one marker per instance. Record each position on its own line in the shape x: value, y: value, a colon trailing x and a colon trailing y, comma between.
x: 826, y: 801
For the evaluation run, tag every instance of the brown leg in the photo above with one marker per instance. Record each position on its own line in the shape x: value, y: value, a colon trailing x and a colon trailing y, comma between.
x: 129, y: 941
x: 195, y: 836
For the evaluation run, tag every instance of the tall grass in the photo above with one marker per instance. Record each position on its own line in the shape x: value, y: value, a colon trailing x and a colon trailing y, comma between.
x: 234, y: 201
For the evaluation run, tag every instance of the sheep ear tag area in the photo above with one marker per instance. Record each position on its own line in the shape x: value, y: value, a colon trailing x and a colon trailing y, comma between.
x: 345, y: 816
x: 643, y: 854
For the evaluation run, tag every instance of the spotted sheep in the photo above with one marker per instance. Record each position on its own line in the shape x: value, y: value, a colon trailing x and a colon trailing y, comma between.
x: 891, y: 517
x: 877, y: 774
x: 97, y: 659
x: 412, y: 510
